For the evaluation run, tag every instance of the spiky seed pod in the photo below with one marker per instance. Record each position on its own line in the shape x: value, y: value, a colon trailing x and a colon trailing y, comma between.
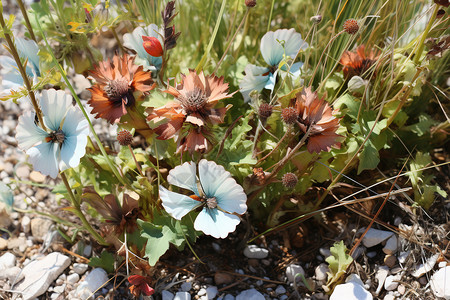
x: 265, y: 110
x: 351, y: 26
x: 124, y: 137
x: 289, y: 115
x: 250, y: 3
x: 289, y: 180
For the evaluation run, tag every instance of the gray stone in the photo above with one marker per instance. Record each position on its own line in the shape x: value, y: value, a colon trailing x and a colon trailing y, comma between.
x: 374, y: 237
x: 228, y: 297
x: 253, y: 251
x: 211, y: 292
x: 426, y: 267
x: 391, y: 245
x: 7, y: 260
x: 440, y: 283
x: 96, y: 279
x: 40, y: 227
x: 186, y: 286
x: 182, y: 296
x: 73, y: 278
x: 321, y: 272
x: 39, y: 274
x: 166, y: 295
x: 280, y: 290
x: 250, y: 294
x: 292, y: 270
x: 79, y: 268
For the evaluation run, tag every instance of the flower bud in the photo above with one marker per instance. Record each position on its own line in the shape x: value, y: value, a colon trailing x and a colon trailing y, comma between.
x: 289, y: 180
x: 289, y: 115
x: 265, y: 110
x: 250, y: 3
x: 357, y: 85
x: 351, y: 26
x: 316, y: 19
x: 152, y: 46
x: 124, y: 137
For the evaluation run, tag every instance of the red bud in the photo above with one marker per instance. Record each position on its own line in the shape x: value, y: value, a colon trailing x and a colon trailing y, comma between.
x: 152, y: 46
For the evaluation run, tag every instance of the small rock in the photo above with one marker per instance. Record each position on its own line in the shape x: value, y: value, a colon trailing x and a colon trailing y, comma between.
x: 391, y: 282
x: 325, y: 252
x: 391, y: 245
x: 166, y: 295
x: 216, y: 247
x: 39, y: 274
x: 13, y: 274
x: 59, y: 289
x: 40, y: 227
x: 25, y: 224
x: 374, y: 237
x: 228, y: 297
x: 5, y: 218
x: 280, y: 290
x: 80, y: 268
x: 73, y: 278
x: 381, y: 275
x: 87, y: 251
x: 36, y: 176
x: 3, y: 243
x: 390, y: 260
x: 23, y: 172
x: 201, y: 292
x: 321, y: 272
x: 389, y: 297
x: 211, y: 292
x: 182, y: 296
x: 7, y: 260
x: 425, y: 267
x: 250, y: 294
x: 96, y: 279
x: 186, y: 286
x: 292, y: 270
x: 223, y: 278
x: 253, y: 251
x: 440, y: 283
x: 353, y: 289
x: 401, y: 289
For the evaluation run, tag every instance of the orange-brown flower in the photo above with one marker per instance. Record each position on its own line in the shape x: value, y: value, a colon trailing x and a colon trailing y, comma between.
x: 196, y: 99
x: 357, y: 63
x: 117, y: 82
x: 317, y: 116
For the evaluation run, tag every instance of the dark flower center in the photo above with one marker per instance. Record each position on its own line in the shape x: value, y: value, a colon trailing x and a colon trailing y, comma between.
x: 211, y: 202
x: 118, y: 90
x: 56, y: 137
x: 194, y: 101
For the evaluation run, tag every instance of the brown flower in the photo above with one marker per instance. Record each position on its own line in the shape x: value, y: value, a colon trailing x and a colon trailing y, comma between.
x: 357, y: 63
x: 117, y: 80
x: 317, y: 116
x: 196, y: 98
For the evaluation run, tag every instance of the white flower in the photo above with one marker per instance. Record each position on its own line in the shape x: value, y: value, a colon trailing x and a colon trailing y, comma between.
x: 134, y: 41
x: 215, y: 190
x: 274, y: 47
x: 63, y: 144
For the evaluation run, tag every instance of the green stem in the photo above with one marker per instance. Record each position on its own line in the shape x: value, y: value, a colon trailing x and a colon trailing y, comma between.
x: 121, y: 179
x: 421, y: 43
x: 135, y: 161
x: 79, y: 213
x: 270, y: 15
x: 27, y: 21
x: 23, y: 73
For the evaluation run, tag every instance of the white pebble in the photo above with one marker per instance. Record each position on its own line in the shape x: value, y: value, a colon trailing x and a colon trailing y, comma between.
x: 391, y: 283
x: 426, y: 267
x: 73, y: 278
x: 440, y: 283
x: 292, y: 270
x: 250, y: 294
x: 253, y: 251
x: 80, y: 268
x: 321, y: 272
x: 353, y: 289
x: 166, y: 295
x: 182, y: 296
x: 7, y: 260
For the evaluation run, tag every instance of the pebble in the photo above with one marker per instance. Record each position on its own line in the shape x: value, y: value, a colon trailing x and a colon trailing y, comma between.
x: 166, y: 295
x: 228, y: 297
x: 390, y: 260
x: 292, y: 270
x: 223, y: 278
x: 186, y: 286
x: 59, y: 289
x: 40, y: 227
x: 253, y: 251
x: 353, y: 289
x: 391, y: 283
x: 7, y: 260
x: 201, y: 292
x: 425, y: 267
x: 440, y: 283
x: 280, y: 290
x: 13, y: 274
x: 321, y: 272
x: 212, y: 292
x: 5, y: 218
x: 216, y: 247
x: 96, y: 279
x: 80, y: 268
x: 374, y: 237
x: 23, y: 172
x: 391, y: 245
x: 325, y: 252
x: 37, y: 177
x: 401, y: 289
x: 250, y: 294
x: 389, y: 297
x: 3, y: 243
x: 73, y: 278
x: 381, y: 275
x: 39, y: 274
x: 25, y: 224
x: 182, y: 296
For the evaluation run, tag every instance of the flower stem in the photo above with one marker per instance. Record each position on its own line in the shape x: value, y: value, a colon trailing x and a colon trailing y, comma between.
x: 421, y: 44
x: 135, y: 161
x: 113, y: 168
x: 77, y: 206
x: 23, y: 73
x: 27, y: 21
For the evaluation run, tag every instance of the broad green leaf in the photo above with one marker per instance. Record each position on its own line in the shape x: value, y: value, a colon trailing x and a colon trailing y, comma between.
x: 368, y: 158
x: 338, y: 263
x: 348, y: 105
x: 105, y: 261
x: 423, y: 126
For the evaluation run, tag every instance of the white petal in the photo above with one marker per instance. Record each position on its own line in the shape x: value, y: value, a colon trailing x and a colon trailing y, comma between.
x: 184, y: 176
x: 54, y: 107
x: 270, y: 84
x: 231, y: 197
x: 216, y: 223
x: 73, y: 149
x: 43, y: 157
x: 212, y: 176
x: 295, y: 70
x: 28, y: 134
x: 177, y: 205
x: 271, y: 49
x: 29, y: 49
x: 75, y: 123
x: 253, y: 80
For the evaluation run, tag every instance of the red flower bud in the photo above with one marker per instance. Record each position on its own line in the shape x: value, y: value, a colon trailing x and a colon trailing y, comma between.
x: 153, y: 46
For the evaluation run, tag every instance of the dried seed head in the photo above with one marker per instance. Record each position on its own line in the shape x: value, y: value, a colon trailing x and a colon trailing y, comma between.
x: 265, y: 110
x: 289, y: 115
x: 289, y: 180
x: 351, y: 26
x: 250, y: 3
x: 117, y: 89
x: 316, y: 19
x: 124, y: 137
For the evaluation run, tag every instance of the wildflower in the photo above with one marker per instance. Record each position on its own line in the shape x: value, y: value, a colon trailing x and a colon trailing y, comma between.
x: 351, y: 26
x: 195, y: 103
x: 357, y: 63
x: 215, y: 191
x: 117, y: 82
x: 275, y: 46
x: 63, y: 145
x: 317, y: 116
x: 124, y: 137
x: 10, y: 75
x: 152, y: 46
x: 139, y: 284
x: 289, y: 180
x: 250, y: 3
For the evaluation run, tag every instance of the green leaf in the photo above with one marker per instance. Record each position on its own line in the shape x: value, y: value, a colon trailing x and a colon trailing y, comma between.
x: 423, y: 126
x: 348, y: 105
x: 338, y: 262
x: 105, y: 261
x: 368, y: 158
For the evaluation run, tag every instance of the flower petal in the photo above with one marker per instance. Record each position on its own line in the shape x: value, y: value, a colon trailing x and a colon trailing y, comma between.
x: 135, y: 42
x: 253, y: 80
x: 73, y: 149
x: 177, y: 205
x: 28, y: 134
x: 54, y: 107
x: 231, y: 197
x: 29, y: 49
x: 216, y: 223
x: 75, y: 123
x: 212, y: 176
x: 184, y: 176
x: 43, y: 157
